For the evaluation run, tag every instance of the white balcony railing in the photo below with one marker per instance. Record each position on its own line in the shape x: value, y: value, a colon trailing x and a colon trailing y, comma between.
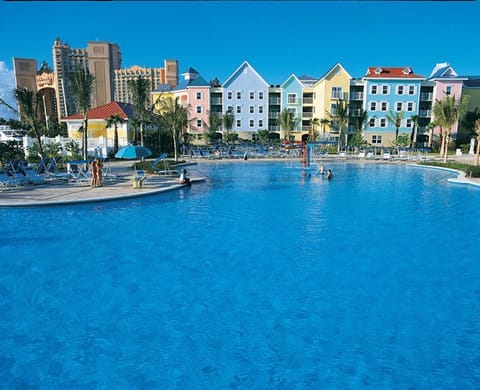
x: 356, y: 95
x: 274, y: 101
x: 216, y: 101
x: 308, y: 100
x: 307, y: 114
x: 425, y: 113
x: 273, y: 115
x: 426, y: 96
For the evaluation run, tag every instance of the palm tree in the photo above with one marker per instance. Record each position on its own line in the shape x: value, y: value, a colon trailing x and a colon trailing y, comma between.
x: 324, y: 122
x: 214, y: 122
x: 477, y: 129
x: 29, y: 103
x: 314, y: 123
x: 447, y: 112
x: 430, y: 127
x: 413, y: 137
x: 228, y: 118
x: 287, y: 121
x: 175, y: 118
x: 82, y: 85
x: 340, y: 119
x: 396, y: 121
x: 140, y: 88
x: 114, y: 120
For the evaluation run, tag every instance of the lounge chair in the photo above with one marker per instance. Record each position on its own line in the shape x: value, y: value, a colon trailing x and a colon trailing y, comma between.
x: 8, y: 182
x: 30, y: 175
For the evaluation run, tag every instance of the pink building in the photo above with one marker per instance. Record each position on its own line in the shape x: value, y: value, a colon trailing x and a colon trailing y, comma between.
x: 447, y: 83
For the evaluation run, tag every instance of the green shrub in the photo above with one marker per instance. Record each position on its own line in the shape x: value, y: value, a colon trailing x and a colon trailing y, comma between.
x: 470, y: 170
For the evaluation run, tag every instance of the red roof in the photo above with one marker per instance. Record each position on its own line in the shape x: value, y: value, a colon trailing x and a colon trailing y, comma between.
x: 125, y: 110
x: 392, y: 73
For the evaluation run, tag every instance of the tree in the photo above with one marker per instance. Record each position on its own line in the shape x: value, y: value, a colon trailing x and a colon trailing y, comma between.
x: 339, y: 118
x: 175, y: 118
x: 29, y: 103
x: 114, y: 120
x: 314, y: 123
x: 396, y: 120
x: 413, y: 138
x: 227, y: 119
x: 82, y: 85
x: 140, y: 88
x: 324, y: 122
x: 447, y: 112
x: 477, y: 130
x: 214, y: 123
x: 287, y: 121
x: 263, y: 136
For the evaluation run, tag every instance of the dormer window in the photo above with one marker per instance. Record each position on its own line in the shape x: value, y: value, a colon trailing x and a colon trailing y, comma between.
x: 407, y: 71
x: 378, y: 70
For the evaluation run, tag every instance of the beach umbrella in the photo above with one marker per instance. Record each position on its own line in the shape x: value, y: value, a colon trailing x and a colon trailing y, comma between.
x: 132, y: 152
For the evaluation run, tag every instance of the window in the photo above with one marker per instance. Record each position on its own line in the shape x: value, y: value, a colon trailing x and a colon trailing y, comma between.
x: 199, y: 123
x: 399, y: 106
x: 199, y: 109
x: 198, y: 95
x: 292, y: 98
x: 399, y: 89
x: 410, y: 106
x: 229, y: 95
x: 239, y: 123
x: 260, y: 95
x: 333, y: 109
x: 371, y: 122
x: 409, y: 123
x: 411, y: 89
x: 448, y: 90
x: 239, y: 95
x: 251, y: 123
x: 251, y: 109
x: 230, y: 109
x: 385, y: 89
x: 384, y: 106
x: 252, y: 95
x: 337, y: 93
x: 376, y: 139
x: 260, y: 123
x: 239, y: 109
x: 383, y: 122
x: 292, y: 111
x: 373, y: 106
x: 260, y: 109
x: 373, y: 89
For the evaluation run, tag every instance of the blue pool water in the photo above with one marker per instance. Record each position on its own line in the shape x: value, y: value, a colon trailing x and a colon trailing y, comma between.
x: 258, y: 278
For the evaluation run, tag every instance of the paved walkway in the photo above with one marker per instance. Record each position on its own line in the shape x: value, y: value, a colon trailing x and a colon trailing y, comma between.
x: 61, y: 192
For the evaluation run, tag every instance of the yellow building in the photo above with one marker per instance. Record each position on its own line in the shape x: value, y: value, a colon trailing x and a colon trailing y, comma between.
x: 327, y: 92
x: 97, y: 124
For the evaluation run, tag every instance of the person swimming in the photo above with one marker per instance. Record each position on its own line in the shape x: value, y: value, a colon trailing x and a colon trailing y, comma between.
x: 329, y: 174
x: 321, y: 169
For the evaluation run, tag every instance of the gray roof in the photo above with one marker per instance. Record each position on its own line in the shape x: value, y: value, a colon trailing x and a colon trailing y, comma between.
x: 471, y: 81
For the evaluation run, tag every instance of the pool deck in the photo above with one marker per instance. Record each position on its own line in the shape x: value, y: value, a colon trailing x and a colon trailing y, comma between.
x: 64, y: 193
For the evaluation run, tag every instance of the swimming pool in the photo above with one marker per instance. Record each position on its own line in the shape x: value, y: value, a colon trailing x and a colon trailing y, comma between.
x: 258, y: 278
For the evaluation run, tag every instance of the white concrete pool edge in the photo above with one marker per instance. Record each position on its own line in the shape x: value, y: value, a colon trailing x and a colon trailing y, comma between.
x: 460, y: 179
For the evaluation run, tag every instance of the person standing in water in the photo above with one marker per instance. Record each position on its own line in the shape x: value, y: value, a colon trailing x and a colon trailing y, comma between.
x: 329, y: 174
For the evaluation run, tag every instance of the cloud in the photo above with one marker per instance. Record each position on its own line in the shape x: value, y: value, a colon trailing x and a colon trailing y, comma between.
x: 7, y: 85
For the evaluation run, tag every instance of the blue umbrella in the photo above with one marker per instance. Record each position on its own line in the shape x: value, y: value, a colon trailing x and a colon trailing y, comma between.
x: 131, y: 152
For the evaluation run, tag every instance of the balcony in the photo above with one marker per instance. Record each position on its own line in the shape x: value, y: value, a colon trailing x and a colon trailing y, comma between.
x: 307, y: 114
x: 306, y: 128
x: 426, y: 96
x: 274, y: 101
x: 425, y: 113
x: 216, y: 101
x: 273, y: 115
x: 274, y: 128
x: 355, y: 111
x: 356, y: 95
x: 308, y: 100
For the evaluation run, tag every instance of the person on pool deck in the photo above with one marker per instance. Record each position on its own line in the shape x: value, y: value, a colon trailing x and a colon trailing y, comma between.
x: 329, y: 174
x: 183, y: 179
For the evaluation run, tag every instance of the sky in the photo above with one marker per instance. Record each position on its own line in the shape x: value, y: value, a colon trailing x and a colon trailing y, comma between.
x: 277, y: 38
